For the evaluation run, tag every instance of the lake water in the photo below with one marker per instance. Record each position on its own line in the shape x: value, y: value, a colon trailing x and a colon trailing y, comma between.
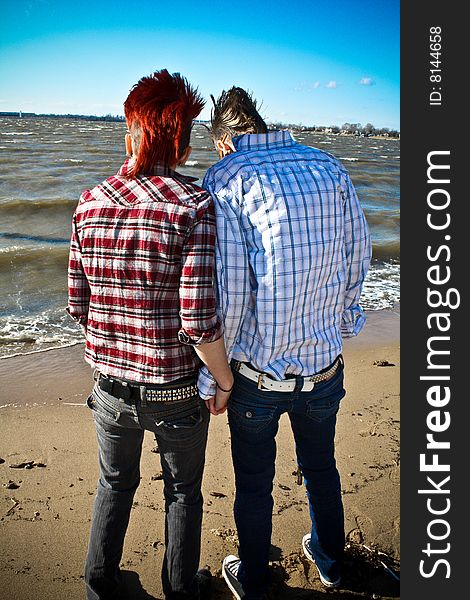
x: 47, y: 163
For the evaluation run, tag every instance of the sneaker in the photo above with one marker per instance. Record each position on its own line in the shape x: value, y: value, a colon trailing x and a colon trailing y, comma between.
x: 308, y: 553
x: 230, y: 566
x: 204, y: 581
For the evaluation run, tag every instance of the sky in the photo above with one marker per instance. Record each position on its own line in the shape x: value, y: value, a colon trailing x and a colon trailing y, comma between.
x: 307, y: 62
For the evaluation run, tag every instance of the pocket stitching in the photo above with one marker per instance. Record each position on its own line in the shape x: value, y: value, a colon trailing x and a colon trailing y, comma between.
x: 106, y: 409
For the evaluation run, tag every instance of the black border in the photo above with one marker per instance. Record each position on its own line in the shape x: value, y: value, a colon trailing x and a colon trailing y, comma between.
x: 424, y: 129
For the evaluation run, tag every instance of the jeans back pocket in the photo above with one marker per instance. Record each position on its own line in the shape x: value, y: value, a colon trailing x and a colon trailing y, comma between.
x: 250, y: 417
x: 324, y: 401
x: 183, y: 421
x: 101, y: 407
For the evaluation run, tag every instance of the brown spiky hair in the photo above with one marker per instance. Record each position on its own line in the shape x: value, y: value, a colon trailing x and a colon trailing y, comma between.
x: 159, y: 112
x: 235, y: 113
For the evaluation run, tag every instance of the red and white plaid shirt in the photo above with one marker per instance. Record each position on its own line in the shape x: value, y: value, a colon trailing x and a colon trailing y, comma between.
x: 141, y: 273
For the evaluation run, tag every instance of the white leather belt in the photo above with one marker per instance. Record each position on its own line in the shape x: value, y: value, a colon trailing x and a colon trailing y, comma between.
x: 266, y: 383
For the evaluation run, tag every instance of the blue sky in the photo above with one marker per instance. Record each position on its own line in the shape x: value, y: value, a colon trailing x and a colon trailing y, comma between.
x: 323, y: 63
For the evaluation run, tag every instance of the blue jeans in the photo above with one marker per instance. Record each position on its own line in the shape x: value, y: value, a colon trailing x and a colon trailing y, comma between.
x: 180, y: 430
x: 254, y: 418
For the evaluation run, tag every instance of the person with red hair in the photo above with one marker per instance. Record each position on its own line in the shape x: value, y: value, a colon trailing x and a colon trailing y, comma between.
x: 159, y: 112
x: 141, y: 273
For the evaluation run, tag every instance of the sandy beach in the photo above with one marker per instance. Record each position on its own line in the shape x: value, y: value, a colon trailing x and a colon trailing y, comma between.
x: 48, y: 472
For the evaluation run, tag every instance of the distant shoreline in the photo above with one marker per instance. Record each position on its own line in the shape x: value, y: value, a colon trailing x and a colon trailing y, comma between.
x: 21, y: 115
x: 321, y: 129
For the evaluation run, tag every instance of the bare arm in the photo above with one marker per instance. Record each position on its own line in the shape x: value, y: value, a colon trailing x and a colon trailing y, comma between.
x: 213, y: 355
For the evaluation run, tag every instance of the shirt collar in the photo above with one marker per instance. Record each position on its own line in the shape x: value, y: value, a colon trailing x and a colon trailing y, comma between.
x: 158, y: 170
x: 263, y: 141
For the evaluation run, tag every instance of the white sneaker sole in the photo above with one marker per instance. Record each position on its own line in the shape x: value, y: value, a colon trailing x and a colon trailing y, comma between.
x: 226, y: 560
x: 305, y: 548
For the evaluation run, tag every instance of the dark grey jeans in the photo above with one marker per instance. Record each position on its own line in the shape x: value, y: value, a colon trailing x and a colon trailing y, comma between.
x: 180, y: 430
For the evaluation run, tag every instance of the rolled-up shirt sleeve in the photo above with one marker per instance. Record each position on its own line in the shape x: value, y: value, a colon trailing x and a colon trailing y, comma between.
x: 78, y: 287
x: 200, y: 323
x: 358, y: 256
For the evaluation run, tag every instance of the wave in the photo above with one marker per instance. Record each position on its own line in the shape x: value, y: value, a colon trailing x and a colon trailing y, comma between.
x: 382, y: 286
x: 40, y: 350
x: 29, y: 206
x: 34, y: 238
x: 386, y: 250
x: 16, y: 257
x: 370, y: 178
x: 382, y: 218
x: 37, y: 332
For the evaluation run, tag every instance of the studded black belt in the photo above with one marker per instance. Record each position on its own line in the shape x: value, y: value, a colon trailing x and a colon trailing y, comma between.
x: 126, y: 390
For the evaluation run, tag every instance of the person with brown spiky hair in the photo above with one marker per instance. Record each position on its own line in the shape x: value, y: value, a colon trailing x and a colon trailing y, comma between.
x: 293, y: 249
x: 141, y: 273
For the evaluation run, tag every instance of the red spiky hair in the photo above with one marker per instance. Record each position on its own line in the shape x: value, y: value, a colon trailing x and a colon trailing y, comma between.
x: 163, y: 106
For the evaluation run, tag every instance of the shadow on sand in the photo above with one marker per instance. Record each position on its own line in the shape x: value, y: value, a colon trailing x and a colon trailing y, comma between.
x: 365, y: 576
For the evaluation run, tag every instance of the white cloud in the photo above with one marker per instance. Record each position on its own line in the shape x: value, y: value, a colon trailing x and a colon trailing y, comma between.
x: 305, y: 86
x: 367, y: 81
x: 331, y: 85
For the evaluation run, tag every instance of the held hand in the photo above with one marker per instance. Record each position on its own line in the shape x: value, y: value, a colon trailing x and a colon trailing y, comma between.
x: 221, y: 401
x: 211, y: 405
x: 217, y: 405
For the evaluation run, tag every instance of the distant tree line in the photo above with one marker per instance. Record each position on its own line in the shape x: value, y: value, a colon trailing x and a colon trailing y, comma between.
x: 357, y: 129
x: 109, y: 117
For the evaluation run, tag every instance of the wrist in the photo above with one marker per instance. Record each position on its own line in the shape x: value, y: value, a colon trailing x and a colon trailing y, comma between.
x: 224, y: 389
x: 225, y: 384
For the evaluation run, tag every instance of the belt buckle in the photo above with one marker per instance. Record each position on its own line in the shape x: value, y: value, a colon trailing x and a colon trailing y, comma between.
x: 260, y: 381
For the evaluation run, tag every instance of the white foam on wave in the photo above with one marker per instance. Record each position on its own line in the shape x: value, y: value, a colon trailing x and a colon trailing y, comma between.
x: 72, y: 160
x: 18, y: 133
x: 49, y: 326
x: 191, y: 163
x: 349, y: 158
x: 25, y: 331
x: 381, y: 287
x: 10, y: 249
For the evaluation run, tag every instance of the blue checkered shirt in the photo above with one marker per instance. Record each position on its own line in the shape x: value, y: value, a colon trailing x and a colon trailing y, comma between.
x: 293, y: 249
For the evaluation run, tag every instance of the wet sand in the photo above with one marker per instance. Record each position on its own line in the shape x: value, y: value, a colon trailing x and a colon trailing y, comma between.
x: 48, y: 472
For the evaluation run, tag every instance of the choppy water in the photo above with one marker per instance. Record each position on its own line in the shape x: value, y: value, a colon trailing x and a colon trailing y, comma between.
x: 45, y: 165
